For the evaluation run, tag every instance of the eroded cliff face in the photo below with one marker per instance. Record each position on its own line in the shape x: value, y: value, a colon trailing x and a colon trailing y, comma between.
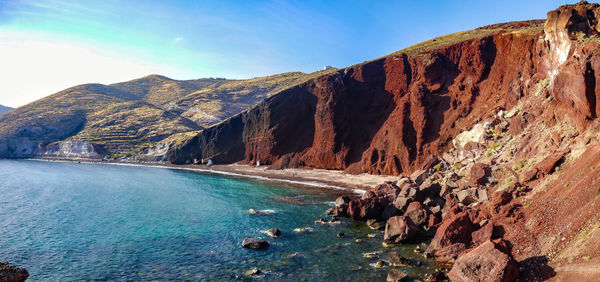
x: 387, y: 116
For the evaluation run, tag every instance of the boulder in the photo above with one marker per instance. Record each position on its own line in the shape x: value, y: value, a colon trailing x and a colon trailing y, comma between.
x: 396, y: 259
x: 273, y: 232
x: 400, y: 229
x: 479, y: 174
x: 456, y: 227
x: 387, y: 188
x: 342, y: 200
x: 12, y: 273
x: 371, y: 208
x: 486, y: 233
x: 449, y: 253
x: 253, y: 271
x: 401, y: 203
x: 255, y: 244
x: 376, y: 224
x: 419, y: 176
x: 396, y: 275
x: 467, y: 196
x: 488, y: 262
x: 417, y: 213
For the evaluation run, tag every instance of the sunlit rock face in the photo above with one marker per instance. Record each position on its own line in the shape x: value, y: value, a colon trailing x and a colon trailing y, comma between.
x: 73, y: 149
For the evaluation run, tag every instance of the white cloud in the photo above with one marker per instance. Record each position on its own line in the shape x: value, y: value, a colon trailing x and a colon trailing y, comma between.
x: 31, y: 68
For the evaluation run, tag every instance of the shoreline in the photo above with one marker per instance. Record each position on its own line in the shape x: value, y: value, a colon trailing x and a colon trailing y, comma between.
x: 334, y: 181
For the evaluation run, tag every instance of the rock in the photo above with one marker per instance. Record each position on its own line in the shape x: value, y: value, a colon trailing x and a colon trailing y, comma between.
x: 370, y: 255
x: 396, y: 275
x: 342, y: 200
x: 400, y: 229
x: 255, y: 244
x: 545, y: 167
x: 12, y: 273
x: 479, y: 174
x: 401, y: 203
x: 253, y: 271
x: 500, y: 199
x: 488, y: 262
x: 341, y: 235
x: 433, y: 220
x: 321, y: 221
x: 396, y: 259
x: 368, y: 194
x: 482, y: 195
x: 376, y: 224
x: 456, y: 227
x: 486, y: 233
x: 380, y: 264
x: 273, y: 232
x: 467, y: 196
x: 449, y: 253
x: 385, y: 189
x: 417, y: 213
x: 371, y: 208
x: 436, y: 276
x: 302, y: 230
x: 419, y: 176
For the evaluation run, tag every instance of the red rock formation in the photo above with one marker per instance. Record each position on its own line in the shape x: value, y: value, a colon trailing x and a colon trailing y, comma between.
x: 387, y: 116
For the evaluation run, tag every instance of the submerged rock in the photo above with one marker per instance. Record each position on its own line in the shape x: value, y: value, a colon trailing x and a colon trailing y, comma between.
x: 274, y: 232
x: 255, y: 244
x: 302, y: 230
x: 12, y: 273
x: 396, y: 275
x: 253, y: 271
x: 396, y: 259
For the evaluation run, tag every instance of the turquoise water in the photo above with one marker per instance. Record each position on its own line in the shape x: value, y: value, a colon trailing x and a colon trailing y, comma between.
x: 67, y: 221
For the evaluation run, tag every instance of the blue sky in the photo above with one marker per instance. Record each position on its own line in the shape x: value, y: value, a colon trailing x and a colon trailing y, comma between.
x: 49, y: 45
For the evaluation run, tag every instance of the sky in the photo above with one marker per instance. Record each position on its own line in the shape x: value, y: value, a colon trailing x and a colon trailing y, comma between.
x: 49, y: 45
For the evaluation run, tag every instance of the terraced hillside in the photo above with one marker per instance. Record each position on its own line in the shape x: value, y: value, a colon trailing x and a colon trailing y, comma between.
x: 129, y: 117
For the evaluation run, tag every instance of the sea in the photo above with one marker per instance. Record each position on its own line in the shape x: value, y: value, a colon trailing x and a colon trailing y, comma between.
x: 67, y: 221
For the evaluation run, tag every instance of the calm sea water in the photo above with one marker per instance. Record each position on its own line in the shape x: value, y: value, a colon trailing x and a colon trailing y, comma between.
x: 67, y: 221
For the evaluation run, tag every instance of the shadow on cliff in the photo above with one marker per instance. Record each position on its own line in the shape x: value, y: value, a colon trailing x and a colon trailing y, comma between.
x: 369, y: 107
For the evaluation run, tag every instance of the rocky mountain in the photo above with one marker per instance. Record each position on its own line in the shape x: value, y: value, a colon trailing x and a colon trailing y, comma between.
x: 129, y: 118
x: 494, y: 132
x: 4, y: 109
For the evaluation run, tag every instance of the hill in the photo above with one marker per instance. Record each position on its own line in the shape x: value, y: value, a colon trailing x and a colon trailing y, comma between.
x: 4, y: 109
x: 124, y: 119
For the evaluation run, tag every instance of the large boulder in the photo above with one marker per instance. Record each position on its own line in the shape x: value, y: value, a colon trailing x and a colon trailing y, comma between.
x: 417, y: 213
x: 255, y: 244
x: 488, y: 262
x: 12, y: 273
x: 371, y: 208
x: 456, y: 227
x: 400, y: 229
